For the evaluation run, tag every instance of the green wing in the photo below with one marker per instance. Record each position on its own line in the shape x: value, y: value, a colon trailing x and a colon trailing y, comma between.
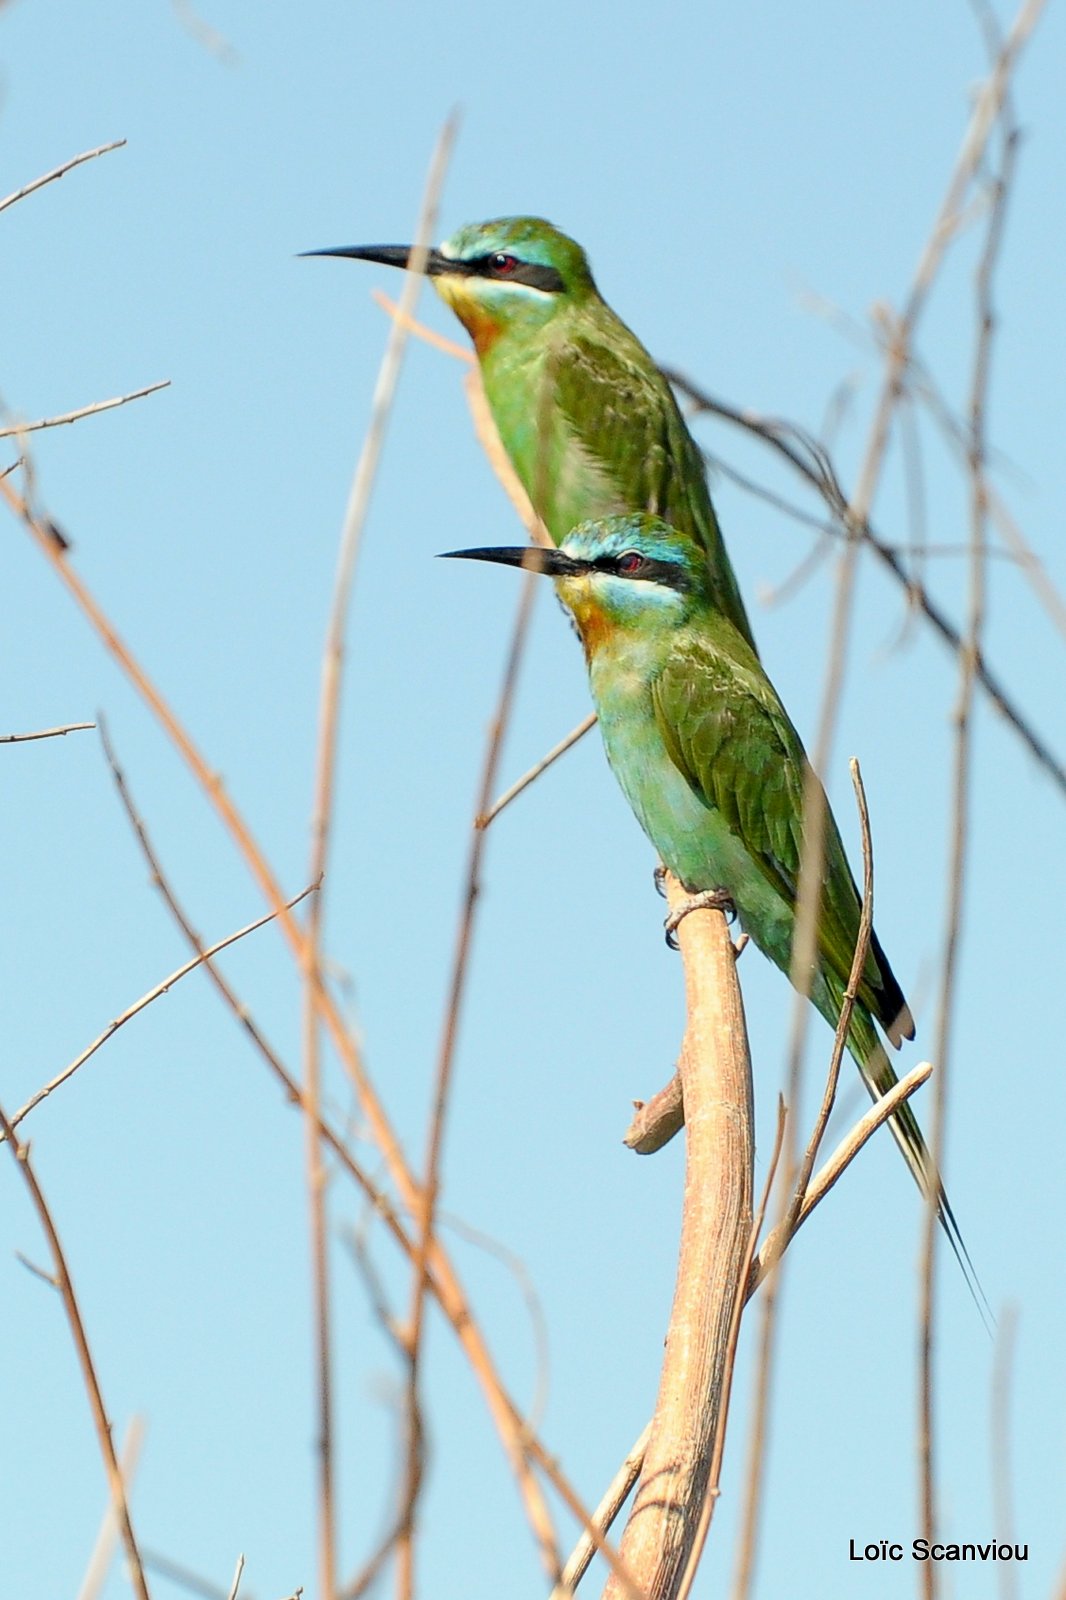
x: 728, y: 734
x: 624, y: 412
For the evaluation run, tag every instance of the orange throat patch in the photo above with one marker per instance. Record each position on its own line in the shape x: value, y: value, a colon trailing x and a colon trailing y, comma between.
x: 478, y: 321
x: 596, y: 629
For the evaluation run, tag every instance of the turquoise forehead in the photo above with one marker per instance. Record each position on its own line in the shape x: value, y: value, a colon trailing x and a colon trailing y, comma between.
x: 610, y: 536
x: 529, y: 238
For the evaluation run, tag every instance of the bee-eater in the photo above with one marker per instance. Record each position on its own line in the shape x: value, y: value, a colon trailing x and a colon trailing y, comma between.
x: 589, y: 422
x: 706, y: 756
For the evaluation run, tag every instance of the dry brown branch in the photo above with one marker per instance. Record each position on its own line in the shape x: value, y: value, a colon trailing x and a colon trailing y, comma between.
x: 781, y: 437
x: 59, y: 172
x: 657, y: 1120
x: 534, y: 772
x: 858, y: 962
x: 442, y: 1087
x: 104, y: 1549
x: 794, y: 1185
x: 499, y: 461
x: 716, y: 1227
x: 617, y: 1493
x: 16, y: 430
x: 779, y: 1239
x: 710, y: 1499
x: 21, y: 1155
x: 961, y: 778
x: 772, y: 1249
x: 520, y: 1444
x: 420, y: 331
x: 46, y: 733
x: 183, y: 1577
x: 204, y: 955
x: 321, y: 829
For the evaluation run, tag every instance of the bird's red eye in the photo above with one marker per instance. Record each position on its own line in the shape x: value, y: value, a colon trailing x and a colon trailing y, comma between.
x: 630, y: 563
x: 503, y: 265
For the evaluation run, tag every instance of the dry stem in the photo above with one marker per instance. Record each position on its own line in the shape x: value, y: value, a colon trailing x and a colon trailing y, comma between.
x: 716, y: 1227
x: 21, y: 1156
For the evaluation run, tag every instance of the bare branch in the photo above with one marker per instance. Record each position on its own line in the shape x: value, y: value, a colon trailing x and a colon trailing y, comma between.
x: 21, y: 1156
x: 715, y: 1235
x: 203, y: 955
x: 321, y: 829
x: 1002, y: 1482
x: 782, y: 437
x: 17, y: 429
x: 104, y: 1550
x: 534, y: 772
x: 879, y: 1113
x: 442, y: 1086
x: 688, y: 1577
x: 60, y: 171
x: 235, y: 1585
x: 959, y: 822
x: 46, y: 733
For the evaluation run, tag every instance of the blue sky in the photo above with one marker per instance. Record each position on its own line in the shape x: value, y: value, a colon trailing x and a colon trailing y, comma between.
x: 726, y: 168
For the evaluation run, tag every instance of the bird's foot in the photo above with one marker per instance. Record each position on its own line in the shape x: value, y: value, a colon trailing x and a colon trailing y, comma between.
x: 658, y: 877
x: 709, y: 900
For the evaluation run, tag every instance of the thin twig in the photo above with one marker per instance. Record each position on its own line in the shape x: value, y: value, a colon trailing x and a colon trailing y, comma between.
x: 1002, y: 1481
x: 104, y: 1549
x: 793, y: 1203
x: 781, y: 438
x: 46, y: 733
x: 21, y: 1156
x: 961, y: 784
x: 522, y: 1448
x: 60, y: 171
x: 183, y: 1576
x: 419, y: 330
x: 203, y: 955
x: 617, y: 1493
x: 442, y: 1087
x: 321, y: 830
x: 534, y: 772
x: 235, y: 1585
x: 858, y: 964
x: 824, y: 1179
x: 19, y: 428
x: 520, y: 1443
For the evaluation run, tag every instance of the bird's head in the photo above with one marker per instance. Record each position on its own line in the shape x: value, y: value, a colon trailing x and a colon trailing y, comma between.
x: 622, y: 575
x: 513, y: 273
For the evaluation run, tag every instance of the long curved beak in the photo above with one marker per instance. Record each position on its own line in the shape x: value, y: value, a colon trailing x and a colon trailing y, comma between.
x: 392, y: 255
x: 533, y: 557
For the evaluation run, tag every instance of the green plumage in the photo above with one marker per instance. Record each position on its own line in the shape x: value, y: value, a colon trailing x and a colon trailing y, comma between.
x: 715, y: 772
x: 589, y: 422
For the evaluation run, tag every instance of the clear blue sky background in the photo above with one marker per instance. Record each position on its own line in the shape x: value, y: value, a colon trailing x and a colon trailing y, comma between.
x: 720, y: 163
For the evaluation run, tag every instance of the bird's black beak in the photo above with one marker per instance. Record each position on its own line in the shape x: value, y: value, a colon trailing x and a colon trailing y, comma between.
x: 533, y: 557
x: 391, y: 255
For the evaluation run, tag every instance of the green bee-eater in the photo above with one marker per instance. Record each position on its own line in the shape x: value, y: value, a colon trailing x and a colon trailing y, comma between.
x: 586, y: 417
x: 706, y: 756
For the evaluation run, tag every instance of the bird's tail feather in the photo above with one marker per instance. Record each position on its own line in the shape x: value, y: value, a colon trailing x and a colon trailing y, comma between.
x: 879, y: 1076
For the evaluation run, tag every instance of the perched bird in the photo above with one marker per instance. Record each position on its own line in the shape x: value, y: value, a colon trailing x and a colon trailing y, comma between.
x: 589, y: 422
x: 706, y: 756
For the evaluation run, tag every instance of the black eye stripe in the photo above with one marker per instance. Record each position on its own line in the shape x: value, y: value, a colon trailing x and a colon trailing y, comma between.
x: 668, y: 573
x: 531, y: 273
